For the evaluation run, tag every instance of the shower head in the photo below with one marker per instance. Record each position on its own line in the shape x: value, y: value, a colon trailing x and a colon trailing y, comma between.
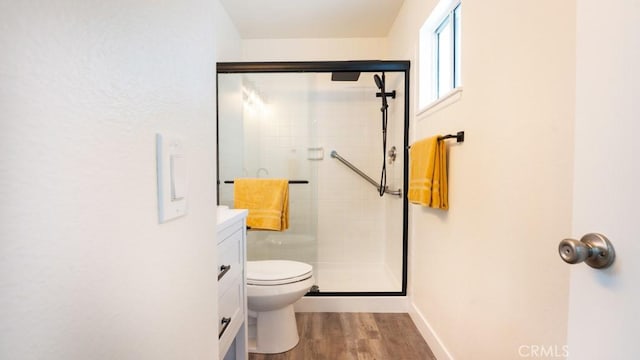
x: 380, y: 84
x: 345, y: 76
x: 379, y: 81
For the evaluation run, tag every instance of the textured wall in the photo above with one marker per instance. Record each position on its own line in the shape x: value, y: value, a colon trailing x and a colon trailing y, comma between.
x: 86, y: 271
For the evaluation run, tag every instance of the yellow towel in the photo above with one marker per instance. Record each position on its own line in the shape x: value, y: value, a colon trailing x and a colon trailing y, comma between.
x: 428, y: 173
x: 267, y: 201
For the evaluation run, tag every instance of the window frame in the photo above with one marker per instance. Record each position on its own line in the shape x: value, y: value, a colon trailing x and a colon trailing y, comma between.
x: 446, y: 17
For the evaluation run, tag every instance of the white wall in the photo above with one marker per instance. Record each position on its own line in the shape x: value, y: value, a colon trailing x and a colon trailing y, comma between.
x: 86, y: 271
x: 314, y: 49
x: 228, y: 41
x: 488, y: 268
x: 228, y: 48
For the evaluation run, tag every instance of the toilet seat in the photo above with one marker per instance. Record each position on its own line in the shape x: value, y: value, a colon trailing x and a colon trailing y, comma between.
x: 277, y: 272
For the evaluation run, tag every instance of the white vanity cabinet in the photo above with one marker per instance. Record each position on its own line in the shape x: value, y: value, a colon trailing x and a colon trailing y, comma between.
x: 232, y: 298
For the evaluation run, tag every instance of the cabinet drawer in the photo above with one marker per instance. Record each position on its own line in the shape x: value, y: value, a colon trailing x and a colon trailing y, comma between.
x: 230, y: 261
x: 231, y: 315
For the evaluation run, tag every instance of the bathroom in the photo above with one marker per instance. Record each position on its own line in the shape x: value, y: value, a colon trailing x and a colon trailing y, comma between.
x: 88, y: 272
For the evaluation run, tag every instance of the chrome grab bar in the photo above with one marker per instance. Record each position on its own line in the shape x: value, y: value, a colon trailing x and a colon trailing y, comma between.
x: 335, y: 155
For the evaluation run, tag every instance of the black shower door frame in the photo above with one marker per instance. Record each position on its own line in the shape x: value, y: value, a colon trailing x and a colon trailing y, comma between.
x: 401, y: 66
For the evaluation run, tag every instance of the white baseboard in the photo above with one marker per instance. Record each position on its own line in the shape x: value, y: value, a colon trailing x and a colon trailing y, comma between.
x: 378, y: 304
x: 430, y: 336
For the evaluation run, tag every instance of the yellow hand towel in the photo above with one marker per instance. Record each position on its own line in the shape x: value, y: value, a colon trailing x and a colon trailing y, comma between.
x: 267, y: 201
x: 428, y: 173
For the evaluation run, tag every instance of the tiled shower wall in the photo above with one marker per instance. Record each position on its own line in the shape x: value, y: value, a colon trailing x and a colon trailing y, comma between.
x: 351, y: 223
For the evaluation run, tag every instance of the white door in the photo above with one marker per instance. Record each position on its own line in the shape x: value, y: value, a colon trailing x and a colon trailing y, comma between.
x: 604, y: 305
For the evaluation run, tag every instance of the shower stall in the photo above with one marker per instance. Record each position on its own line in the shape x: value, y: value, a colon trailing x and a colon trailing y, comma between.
x: 338, y: 131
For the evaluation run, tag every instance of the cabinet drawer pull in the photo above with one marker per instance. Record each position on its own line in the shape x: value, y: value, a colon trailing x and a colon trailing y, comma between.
x: 225, y: 324
x: 223, y: 270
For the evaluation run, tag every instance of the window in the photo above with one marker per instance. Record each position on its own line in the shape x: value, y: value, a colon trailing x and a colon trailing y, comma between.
x: 440, y: 51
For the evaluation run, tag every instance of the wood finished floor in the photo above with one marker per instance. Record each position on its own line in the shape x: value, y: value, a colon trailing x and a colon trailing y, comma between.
x: 361, y: 336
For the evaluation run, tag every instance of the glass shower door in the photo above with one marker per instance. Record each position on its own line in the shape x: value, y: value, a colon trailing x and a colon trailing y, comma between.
x: 286, y: 125
x: 263, y: 132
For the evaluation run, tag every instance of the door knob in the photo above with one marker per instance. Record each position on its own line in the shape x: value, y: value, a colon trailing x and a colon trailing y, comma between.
x: 594, y: 249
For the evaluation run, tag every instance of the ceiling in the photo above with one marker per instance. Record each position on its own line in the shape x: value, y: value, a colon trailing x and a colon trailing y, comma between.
x: 284, y: 19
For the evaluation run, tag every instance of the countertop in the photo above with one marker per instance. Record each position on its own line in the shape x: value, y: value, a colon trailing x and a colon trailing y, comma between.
x: 228, y: 216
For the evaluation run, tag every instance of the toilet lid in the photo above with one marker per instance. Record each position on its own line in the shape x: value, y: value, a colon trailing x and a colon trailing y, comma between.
x: 277, y: 272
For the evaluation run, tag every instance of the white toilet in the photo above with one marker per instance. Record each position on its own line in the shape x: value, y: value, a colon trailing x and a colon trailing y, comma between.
x: 272, y: 288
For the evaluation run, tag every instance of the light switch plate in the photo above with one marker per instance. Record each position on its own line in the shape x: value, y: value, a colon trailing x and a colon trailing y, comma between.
x: 178, y: 177
x: 171, y: 164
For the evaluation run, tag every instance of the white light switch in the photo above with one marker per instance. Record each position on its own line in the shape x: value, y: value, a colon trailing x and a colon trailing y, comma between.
x: 172, y: 179
x: 178, y: 177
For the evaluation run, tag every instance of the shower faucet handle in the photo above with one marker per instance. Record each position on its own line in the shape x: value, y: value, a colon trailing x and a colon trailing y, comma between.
x: 391, y: 154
